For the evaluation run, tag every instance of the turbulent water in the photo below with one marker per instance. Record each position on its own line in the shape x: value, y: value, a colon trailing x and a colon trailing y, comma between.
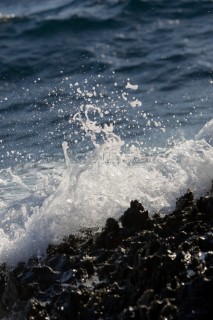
x: 101, y: 102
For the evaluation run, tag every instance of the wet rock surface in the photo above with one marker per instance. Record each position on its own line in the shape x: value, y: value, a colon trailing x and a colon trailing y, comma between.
x: 139, y: 267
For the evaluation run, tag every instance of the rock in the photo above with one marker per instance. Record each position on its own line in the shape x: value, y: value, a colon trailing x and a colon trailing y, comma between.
x: 10, y: 294
x: 205, y: 204
x: 135, y: 217
x: 59, y: 262
x: 184, y: 202
x: 158, y: 267
x: 206, y: 243
x: 110, y: 236
x: 146, y: 298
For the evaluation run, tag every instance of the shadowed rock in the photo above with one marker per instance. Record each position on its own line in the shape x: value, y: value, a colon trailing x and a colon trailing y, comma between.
x: 135, y: 217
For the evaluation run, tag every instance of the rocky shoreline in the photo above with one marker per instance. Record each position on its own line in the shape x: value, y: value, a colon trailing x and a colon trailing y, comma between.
x: 139, y: 267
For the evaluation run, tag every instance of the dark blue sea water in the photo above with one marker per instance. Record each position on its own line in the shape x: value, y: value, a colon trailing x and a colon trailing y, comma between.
x: 100, y: 102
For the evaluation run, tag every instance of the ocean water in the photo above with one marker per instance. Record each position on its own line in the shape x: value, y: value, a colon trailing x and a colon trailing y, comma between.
x: 101, y: 102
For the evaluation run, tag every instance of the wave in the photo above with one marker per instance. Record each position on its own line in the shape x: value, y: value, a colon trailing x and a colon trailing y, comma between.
x: 58, y: 200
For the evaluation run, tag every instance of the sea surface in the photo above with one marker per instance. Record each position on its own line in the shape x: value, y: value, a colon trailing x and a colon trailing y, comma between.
x: 101, y: 102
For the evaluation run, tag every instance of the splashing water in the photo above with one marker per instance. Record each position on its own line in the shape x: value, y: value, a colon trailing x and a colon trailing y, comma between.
x: 59, y: 199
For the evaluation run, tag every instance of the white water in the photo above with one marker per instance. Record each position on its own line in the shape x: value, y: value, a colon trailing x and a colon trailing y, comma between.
x: 41, y: 204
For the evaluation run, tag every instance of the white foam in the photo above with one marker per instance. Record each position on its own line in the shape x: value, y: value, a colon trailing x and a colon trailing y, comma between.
x: 206, y: 133
x: 91, y: 191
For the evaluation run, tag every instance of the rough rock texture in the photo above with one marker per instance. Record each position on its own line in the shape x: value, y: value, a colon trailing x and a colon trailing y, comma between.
x: 136, y: 268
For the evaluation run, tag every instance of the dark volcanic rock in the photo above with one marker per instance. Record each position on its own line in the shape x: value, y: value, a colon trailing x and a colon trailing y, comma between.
x: 138, y: 268
x: 110, y: 236
x: 135, y: 217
